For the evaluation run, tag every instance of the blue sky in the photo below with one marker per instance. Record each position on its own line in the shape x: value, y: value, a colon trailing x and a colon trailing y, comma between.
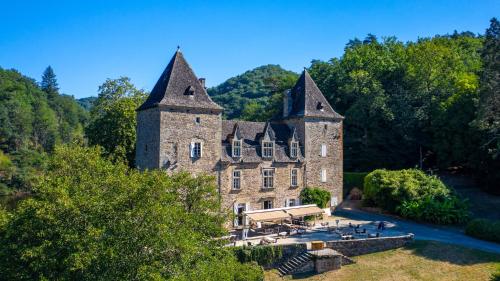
x: 88, y: 41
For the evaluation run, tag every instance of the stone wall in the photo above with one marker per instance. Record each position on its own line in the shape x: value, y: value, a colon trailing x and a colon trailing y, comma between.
x: 320, y: 132
x: 313, y: 133
x: 178, y: 129
x: 251, y: 190
x: 148, y: 136
x: 370, y: 245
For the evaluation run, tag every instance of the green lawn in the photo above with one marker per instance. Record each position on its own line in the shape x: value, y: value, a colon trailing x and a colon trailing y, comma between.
x: 423, y: 260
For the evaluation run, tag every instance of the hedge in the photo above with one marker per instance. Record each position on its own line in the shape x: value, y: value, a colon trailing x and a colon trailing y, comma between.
x: 262, y: 255
x: 413, y: 194
x: 351, y: 180
x: 484, y: 229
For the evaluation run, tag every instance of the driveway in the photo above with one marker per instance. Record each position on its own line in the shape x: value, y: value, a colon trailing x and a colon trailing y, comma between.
x: 421, y: 231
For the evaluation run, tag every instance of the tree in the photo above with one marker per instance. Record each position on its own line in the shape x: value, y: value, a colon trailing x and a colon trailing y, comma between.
x: 112, y: 122
x: 315, y: 195
x: 488, y: 119
x: 92, y: 219
x: 49, y: 83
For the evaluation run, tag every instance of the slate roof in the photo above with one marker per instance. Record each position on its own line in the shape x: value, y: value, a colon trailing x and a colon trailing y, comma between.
x: 178, y: 86
x: 252, y: 133
x: 308, y: 101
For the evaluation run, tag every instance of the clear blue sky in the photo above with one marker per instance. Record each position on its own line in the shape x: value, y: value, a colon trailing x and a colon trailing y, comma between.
x: 90, y: 41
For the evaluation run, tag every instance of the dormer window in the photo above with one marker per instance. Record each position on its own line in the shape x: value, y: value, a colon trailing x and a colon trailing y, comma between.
x: 236, y: 148
x: 267, y: 149
x: 189, y: 91
x: 320, y: 106
x: 294, y: 149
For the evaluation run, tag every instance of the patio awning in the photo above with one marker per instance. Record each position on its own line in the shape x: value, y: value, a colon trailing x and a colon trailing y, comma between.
x: 304, y: 211
x: 268, y: 215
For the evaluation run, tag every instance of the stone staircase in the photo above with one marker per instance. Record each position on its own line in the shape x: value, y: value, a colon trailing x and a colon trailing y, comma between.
x: 294, y: 263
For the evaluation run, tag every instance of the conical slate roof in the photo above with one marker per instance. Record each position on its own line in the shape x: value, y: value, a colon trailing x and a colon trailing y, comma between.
x: 178, y: 86
x: 308, y: 101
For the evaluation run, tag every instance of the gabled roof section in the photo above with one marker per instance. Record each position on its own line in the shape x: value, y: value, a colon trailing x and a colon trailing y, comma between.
x: 308, y: 101
x: 269, y: 132
x: 294, y: 136
x: 236, y: 132
x: 178, y: 86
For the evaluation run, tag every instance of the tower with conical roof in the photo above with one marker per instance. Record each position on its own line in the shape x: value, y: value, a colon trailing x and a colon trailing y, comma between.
x: 178, y: 123
x: 319, y: 129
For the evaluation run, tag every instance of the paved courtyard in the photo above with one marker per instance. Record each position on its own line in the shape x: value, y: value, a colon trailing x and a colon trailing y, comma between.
x: 393, y: 227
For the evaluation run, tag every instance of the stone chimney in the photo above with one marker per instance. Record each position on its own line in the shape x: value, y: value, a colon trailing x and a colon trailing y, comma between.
x: 287, y: 103
x: 202, y: 82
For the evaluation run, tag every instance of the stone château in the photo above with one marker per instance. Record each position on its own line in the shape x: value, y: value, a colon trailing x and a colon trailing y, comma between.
x: 258, y: 165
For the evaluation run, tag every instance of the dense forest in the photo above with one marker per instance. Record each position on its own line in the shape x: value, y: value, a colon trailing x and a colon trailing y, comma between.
x: 432, y: 104
x: 34, y: 117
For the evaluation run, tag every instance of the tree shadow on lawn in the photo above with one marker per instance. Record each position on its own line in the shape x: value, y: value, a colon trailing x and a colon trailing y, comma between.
x: 453, y: 254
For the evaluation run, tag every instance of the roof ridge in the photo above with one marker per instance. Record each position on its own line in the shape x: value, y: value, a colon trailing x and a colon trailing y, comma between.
x: 178, y: 86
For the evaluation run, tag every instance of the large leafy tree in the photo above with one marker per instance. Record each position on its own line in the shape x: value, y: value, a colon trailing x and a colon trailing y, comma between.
x: 92, y: 219
x: 112, y: 122
x: 488, y: 120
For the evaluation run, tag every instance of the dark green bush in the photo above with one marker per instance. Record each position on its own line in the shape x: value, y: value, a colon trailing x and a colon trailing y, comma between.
x: 351, y: 180
x: 315, y: 195
x: 484, y: 229
x: 262, y: 255
x: 413, y: 194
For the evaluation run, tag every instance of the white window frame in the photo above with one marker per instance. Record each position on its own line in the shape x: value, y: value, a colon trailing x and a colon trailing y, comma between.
x: 236, y: 148
x: 236, y: 182
x: 294, y: 149
x: 194, y: 151
x: 289, y: 202
x: 323, y: 175
x: 267, y: 178
x: 270, y: 204
x: 294, y: 179
x: 267, y: 149
x: 323, y: 150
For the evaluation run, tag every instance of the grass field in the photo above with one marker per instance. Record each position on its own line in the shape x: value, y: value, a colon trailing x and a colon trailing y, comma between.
x: 423, y: 260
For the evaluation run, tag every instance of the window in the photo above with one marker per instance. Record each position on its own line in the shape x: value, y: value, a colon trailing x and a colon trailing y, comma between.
x: 196, y: 150
x: 294, y: 177
x: 197, y: 120
x: 236, y: 179
x: 267, y: 149
x: 294, y: 149
x: 268, y: 178
x: 268, y: 204
x: 323, y: 150
x: 292, y: 202
x: 323, y: 175
x: 236, y: 148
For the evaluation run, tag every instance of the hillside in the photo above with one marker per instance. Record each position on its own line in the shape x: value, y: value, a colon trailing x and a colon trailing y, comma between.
x: 32, y: 121
x: 254, y: 87
x: 87, y: 102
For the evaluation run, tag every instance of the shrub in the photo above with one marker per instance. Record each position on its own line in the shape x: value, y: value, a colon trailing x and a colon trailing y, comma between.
x: 315, y: 195
x: 352, y: 180
x: 484, y: 229
x: 262, y: 255
x: 415, y: 195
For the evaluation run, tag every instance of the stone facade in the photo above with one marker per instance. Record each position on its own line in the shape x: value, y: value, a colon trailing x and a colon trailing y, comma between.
x: 180, y: 128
